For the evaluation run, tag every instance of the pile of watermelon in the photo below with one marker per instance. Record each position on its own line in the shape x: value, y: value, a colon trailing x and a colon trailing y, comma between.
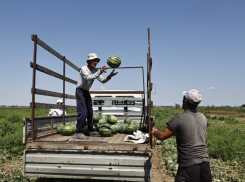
x: 108, y: 125
x: 159, y: 142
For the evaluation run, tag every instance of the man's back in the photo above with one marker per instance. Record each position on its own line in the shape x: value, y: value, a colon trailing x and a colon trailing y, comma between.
x: 191, y: 129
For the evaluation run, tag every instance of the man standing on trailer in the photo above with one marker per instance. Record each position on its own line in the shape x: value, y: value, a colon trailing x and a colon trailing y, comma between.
x: 86, y: 78
x: 57, y: 112
x: 190, y: 129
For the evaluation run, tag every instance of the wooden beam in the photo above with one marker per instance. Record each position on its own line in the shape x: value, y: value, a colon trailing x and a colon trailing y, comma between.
x: 52, y: 73
x: 116, y: 92
x: 55, y: 53
x: 53, y: 94
x: 52, y: 106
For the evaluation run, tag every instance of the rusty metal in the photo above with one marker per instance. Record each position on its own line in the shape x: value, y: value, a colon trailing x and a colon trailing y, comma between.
x: 33, y: 85
x: 64, y: 60
x: 116, y: 92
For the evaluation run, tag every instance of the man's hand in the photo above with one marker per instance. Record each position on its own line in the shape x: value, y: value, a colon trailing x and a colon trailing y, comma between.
x: 103, y: 69
x: 162, y: 135
x: 112, y: 73
x: 154, y: 130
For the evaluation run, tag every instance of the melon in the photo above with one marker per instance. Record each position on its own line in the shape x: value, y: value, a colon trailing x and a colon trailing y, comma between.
x: 114, y: 129
x: 130, y: 129
x: 59, y: 128
x: 123, y: 128
x: 170, y: 166
x: 112, y: 119
x: 158, y: 142
x: 175, y: 167
x: 103, y: 116
x: 127, y: 120
x: 96, y: 117
x: 114, y: 61
x: 175, y: 157
x: 164, y: 142
x: 102, y: 121
x: 105, y: 132
x: 67, y: 130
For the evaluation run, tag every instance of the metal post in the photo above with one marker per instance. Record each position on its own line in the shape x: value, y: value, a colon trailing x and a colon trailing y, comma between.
x: 149, y: 67
x: 33, y: 87
x: 64, y: 60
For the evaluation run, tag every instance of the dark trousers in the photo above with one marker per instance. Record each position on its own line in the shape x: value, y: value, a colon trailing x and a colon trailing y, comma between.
x: 196, y: 173
x: 84, y: 109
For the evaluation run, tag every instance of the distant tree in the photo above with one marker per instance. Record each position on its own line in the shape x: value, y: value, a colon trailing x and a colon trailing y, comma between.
x: 212, y: 107
x: 177, y: 106
x: 208, y: 107
x: 243, y: 105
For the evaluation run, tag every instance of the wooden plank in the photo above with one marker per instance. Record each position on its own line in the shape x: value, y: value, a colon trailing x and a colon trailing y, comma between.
x: 116, y: 92
x: 117, y: 106
x: 117, y: 98
x: 52, y: 73
x: 52, y: 106
x: 52, y: 94
x: 114, y: 138
x: 52, y: 51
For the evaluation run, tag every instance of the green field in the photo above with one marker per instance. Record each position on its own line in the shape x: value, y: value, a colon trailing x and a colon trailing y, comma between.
x: 225, y: 144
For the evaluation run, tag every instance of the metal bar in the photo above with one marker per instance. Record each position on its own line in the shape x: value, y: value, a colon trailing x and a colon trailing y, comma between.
x: 123, y: 67
x: 52, y: 94
x: 55, y: 53
x: 116, y: 92
x: 33, y: 85
x: 50, y: 117
x: 64, y: 59
x: 149, y: 58
x: 52, y: 73
x: 117, y: 98
x: 117, y: 106
x: 49, y: 106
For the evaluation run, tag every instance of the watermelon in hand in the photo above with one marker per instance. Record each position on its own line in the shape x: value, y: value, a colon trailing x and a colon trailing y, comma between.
x: 114, y: 61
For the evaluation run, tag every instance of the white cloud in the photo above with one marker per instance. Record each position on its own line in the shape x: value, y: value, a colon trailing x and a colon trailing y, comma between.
x: 211, y: 88
x: 103, y: 88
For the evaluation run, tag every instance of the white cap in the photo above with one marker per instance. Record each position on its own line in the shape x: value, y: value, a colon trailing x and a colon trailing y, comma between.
x: 193, y: 96
x: 92, y: 56
x: 60, y: 100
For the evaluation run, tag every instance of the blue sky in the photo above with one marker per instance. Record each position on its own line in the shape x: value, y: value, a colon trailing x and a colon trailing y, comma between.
x: 194, y: 45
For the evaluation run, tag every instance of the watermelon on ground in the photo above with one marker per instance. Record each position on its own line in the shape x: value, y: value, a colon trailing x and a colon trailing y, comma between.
x: 169, y: 161
x: 170, y: 166
x: 114, y: 61
x: 158, y: 142
x: 175, y: 157
x: 97, y: 127
x: 164, y: 142
x: 127, y: 120
x: 112, y: 119
x: 95, y: 117
x: 130, y: 129
x: 175, y: 167
x: 67, y: 130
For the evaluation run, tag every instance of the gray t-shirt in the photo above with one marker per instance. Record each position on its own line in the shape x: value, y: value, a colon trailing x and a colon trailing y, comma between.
x: 191, y: 130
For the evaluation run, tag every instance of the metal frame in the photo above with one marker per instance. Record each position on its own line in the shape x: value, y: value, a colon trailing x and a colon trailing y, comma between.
x: 55, y: 94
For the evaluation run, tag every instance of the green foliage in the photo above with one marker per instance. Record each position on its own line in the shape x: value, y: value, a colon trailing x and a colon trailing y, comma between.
x: 14, y: 118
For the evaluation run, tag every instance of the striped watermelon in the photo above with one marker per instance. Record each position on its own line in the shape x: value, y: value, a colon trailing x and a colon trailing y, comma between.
x: 114, y: 61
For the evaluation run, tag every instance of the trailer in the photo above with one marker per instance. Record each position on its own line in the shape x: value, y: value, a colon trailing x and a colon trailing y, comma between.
x: 52, y: 155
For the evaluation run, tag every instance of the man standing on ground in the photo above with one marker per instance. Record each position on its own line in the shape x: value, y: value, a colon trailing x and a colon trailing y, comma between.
x: 190, y: 129
x: 86, y: 78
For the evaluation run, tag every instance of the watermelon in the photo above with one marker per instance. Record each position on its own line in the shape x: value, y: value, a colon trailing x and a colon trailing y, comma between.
x: 123, y: 128
x: 85, y: 130
x: 158, y: 142
x: 96, y: 117
x: 114, y: 61
x: 169, y: 161
x: 175, y: 167
x: 112, y: 119
x: 174, y: 157
x: 97, y: 127
x: 102, y: 121
x: 59, y: 128
x: 105, y: 132
x: 164, y: 142
x: 130, y: 129
x: 170, y: 166
x: 67, y: 130
x: 127, y: 120
x: 114, y: 129
x: 103, y: 116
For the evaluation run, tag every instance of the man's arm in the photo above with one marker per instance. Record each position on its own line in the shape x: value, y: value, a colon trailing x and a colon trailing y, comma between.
x: 104, y: 80
x: 166, y: 133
